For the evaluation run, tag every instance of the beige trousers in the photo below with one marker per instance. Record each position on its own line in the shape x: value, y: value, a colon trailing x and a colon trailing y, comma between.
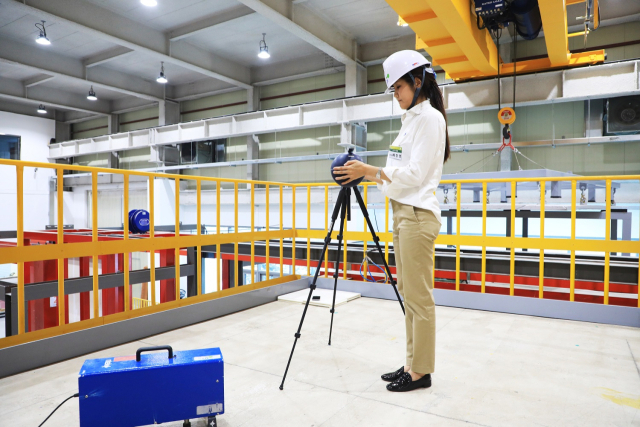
x: 414, y: 233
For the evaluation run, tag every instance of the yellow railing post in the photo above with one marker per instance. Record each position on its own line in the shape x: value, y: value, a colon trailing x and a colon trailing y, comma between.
x: 253, y: 229
x: 607, y: 237
x: 266, y: 195
x: 235, y: 227
x: 364, y: 243
x: 152, y: 254
x: 308, y: 230
x: 541, y: 262
x: 199, y: 233
x: 512, y: 255
x: 572, y: 266
x: 326, y: 227
x: 484, y: 236
x: 61, y: 298
x: 458, y: 201
x: 177, y: 233
x: 94, y: 238
x: 293, y: 221
x: 218, y: 254
x: 281, y: 228
x: 20, y: 243
x: 125, y: 236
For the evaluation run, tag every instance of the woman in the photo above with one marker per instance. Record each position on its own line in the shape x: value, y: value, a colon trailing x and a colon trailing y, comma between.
x: 410, y: 178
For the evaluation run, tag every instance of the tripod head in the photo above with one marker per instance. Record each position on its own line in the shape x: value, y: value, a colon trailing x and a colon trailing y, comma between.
x: 340, y: 161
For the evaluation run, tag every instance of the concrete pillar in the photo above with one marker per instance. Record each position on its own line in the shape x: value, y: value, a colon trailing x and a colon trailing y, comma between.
x: 355, y: 80
x: 168, y: 112
x: 593, y: 110
x: 63, y: 131
x: 253, y: 153
x: 113, y: 123
x: 253, y: 98
x: 505, y: 159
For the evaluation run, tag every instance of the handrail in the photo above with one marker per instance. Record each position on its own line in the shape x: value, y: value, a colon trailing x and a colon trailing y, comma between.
x: 96, y: 246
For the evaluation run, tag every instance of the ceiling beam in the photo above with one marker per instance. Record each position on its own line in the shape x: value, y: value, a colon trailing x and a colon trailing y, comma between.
x: 33, y: 59
x: 96, y: 21
x: 208, y: 22
x: 34, y: 81
x: 104, y: 57
x: 13, y: 90
x: 309, y: 26
x: 299, y: 68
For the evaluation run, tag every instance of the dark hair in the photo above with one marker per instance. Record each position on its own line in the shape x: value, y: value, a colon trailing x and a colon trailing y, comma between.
x: 431, y: 91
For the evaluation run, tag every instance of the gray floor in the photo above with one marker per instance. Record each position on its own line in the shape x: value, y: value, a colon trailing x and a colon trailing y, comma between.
x: 492, y: 369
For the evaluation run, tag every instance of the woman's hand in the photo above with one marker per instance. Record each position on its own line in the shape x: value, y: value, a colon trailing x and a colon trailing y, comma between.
x: 352, y: 170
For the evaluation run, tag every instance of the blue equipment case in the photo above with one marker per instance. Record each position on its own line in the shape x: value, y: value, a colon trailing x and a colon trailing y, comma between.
x: 151, y: 388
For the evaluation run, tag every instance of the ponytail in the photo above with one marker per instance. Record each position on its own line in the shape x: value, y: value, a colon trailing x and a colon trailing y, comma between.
x: 431, y: 91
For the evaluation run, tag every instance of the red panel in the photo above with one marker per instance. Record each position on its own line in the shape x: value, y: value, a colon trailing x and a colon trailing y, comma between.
x: 168, y: 286
x: 85, y: 297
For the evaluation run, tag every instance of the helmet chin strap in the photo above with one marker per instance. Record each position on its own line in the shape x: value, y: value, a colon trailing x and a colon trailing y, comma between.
x: 417, y: 91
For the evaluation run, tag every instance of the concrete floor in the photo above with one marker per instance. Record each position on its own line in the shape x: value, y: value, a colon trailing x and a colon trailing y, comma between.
x: 492, y: 369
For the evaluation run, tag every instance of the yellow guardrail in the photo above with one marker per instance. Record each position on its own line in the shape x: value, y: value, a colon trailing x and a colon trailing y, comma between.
x: 95, y: 248
x: 137, y: 303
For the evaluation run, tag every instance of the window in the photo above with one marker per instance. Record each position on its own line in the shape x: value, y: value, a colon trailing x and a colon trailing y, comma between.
x: 10, y: 147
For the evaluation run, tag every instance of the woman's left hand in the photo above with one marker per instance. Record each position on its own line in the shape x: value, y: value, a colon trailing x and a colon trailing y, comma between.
x: 352, y: 170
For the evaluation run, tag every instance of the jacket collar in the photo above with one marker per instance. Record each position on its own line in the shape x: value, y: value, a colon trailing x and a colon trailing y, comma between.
x: 417, y: 109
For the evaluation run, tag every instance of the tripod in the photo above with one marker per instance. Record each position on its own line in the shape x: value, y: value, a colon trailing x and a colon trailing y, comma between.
x: 343, y: 206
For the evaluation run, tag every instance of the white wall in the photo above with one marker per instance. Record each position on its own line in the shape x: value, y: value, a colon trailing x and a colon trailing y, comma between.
x: 35, y: 133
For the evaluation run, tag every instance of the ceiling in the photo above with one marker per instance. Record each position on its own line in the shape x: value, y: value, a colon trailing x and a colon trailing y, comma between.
x: 217, y: 50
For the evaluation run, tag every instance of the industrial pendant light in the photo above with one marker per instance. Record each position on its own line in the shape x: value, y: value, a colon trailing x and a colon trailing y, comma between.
x: 42, y: 38
x: 92, y: 95
x: 264, y: 50
x: 149, y: 3
x: 162, y: 78
x: 41, y: 109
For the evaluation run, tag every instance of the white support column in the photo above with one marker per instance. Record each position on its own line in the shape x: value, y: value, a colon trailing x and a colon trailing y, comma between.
x: 253, y: 98
x: 253, y: 153
x: 113, y: 123
x: 168, y: 113
x: 355, y: 79
x: 63, y: 130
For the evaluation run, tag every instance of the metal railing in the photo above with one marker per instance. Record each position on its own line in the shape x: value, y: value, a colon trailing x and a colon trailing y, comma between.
x: 63, y: 249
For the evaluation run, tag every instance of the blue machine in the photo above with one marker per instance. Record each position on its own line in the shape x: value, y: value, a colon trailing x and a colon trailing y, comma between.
x: 152, y: 388
x: 138, y: 221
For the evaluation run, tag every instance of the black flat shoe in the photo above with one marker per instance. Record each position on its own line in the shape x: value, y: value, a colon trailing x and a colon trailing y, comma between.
x: 404, y: 383
x: 392, y: 376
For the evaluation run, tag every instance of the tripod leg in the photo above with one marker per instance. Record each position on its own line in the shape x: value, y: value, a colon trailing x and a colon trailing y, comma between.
x: 376, y: 240
x: 343, y: 214
x: 327, y: 239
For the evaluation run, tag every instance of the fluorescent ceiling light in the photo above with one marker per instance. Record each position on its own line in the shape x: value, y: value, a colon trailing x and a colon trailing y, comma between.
x: 162, y: 78
x: 264, y: 49
x: 149, y: 3
x: 402, y: 22
x: 92, y: 95
x: 42, y: 38
x: 41, y: 109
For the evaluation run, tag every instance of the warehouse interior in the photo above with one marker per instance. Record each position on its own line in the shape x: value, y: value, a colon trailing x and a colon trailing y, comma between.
x: 165, y: 171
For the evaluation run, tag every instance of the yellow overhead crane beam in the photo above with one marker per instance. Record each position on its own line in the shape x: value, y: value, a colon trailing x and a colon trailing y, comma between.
x: 447, y: 30
x: 556, y: 33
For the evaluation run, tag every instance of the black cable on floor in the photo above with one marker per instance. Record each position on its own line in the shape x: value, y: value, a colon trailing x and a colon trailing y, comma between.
x: 65, y: 401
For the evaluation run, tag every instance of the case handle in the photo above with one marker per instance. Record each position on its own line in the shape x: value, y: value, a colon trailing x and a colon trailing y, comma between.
x: 156, y: 348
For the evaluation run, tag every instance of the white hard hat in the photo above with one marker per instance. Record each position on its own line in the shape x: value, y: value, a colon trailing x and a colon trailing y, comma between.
x: 400, y: 63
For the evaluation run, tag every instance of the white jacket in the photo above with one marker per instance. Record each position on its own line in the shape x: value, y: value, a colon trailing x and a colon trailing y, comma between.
x: 416, y: 158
